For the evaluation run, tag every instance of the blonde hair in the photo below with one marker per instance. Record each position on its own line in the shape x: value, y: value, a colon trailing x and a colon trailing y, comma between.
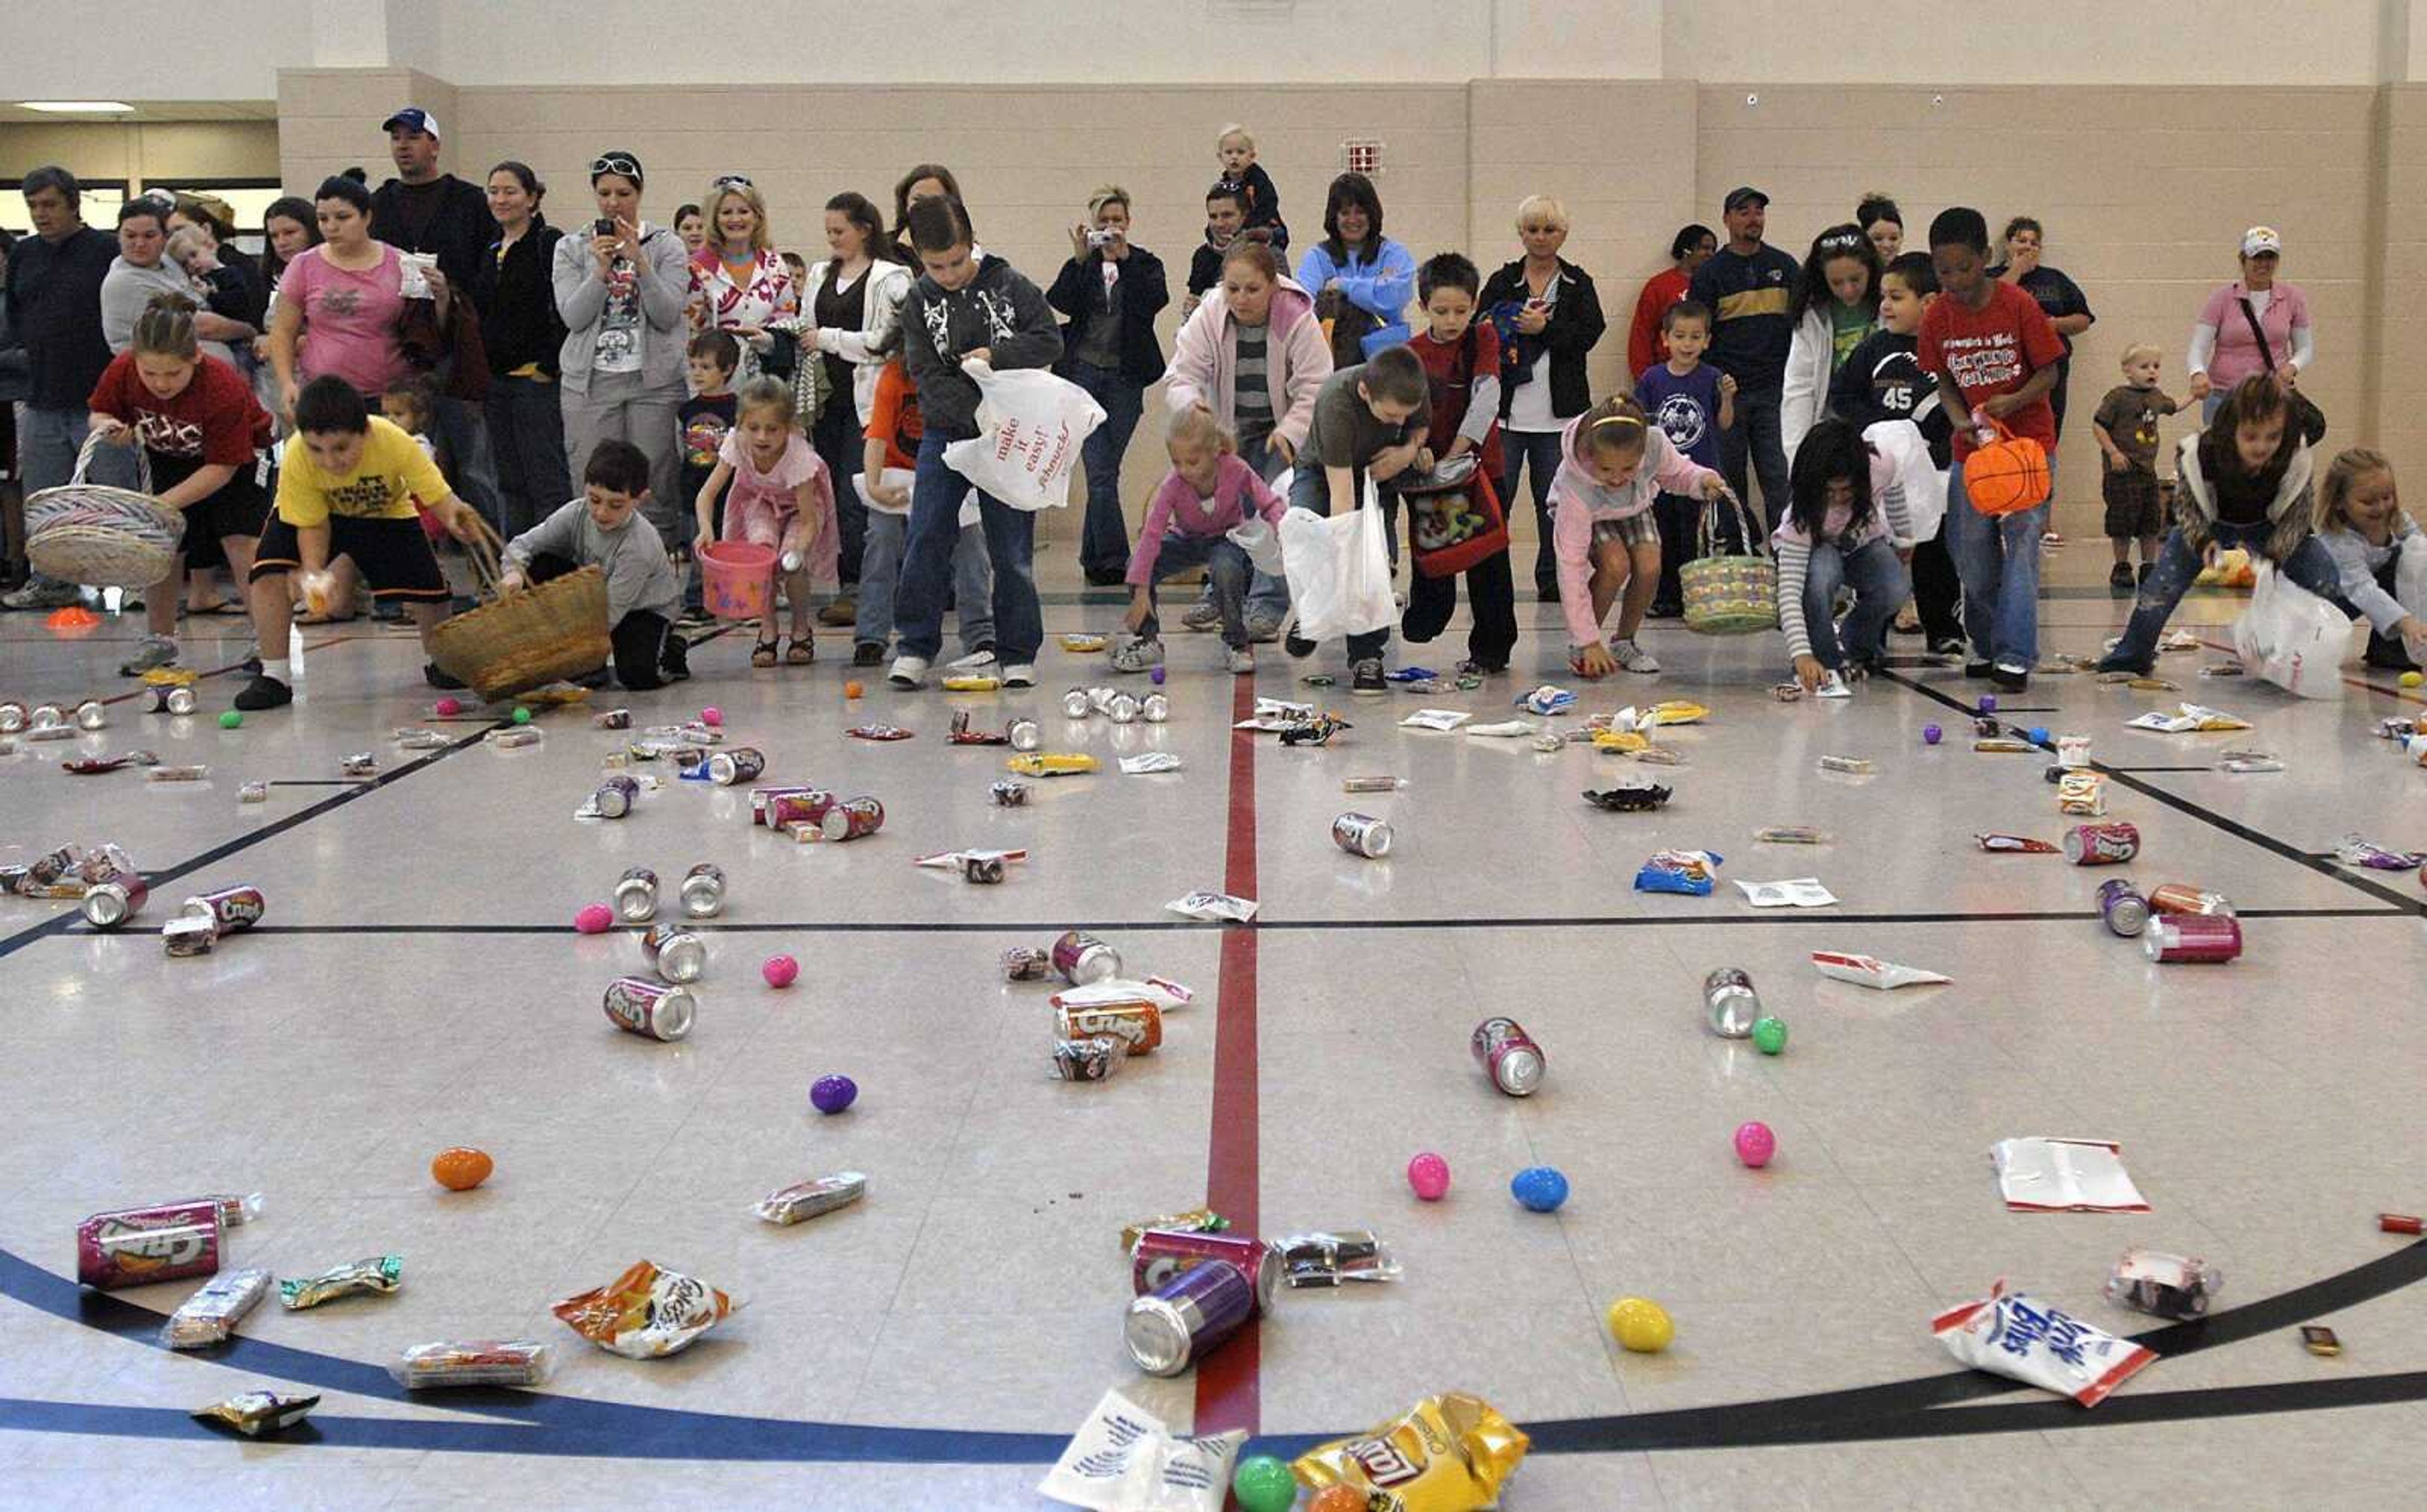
x: 1193, y: 427
x: 762, y: 239
x: 2351, y: 465
x: 1616, y: 424
x: 1541, y: 207
x: 187, y: 239
x: 1234, y: 129
x: 763, y: 393
x: 2136, y: 351
x: 1109, y: 194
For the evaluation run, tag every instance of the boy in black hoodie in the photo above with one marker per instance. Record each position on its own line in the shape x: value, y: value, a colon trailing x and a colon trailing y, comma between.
x: 969, y: 303
x: 1882, y: 380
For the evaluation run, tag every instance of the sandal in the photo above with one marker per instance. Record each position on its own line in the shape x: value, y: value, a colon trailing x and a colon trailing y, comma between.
x: 763, y: 654
x: 801, y: 652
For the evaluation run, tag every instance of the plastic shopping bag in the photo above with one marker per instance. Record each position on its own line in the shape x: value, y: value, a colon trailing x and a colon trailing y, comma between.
x: 2292, y: 638
x: 2410, y: 577
x: 1339, y: 569
x: 1030, y: 425
x: 1925, y: 486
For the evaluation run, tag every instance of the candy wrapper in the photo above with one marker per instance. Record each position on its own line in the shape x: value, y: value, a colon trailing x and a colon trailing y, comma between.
x: 1050, y: 764
x: 2191, y: 718
x: 1622, y: 743
x: 1088, y: 1059
x: 1334, y: 1258
x: 256, y: 1413
x: 1692, y: 873
x: 645, y: 1313
x: 2081, y: 793
x: 1148, y: 762
x: 1214, y: 907
x: 1441, y: 719
x: 1082, y: 644
x: 1447, y: 1453
x: 2003, y: 745
x: 2248, y: 761
x: 1372, y: 784
x: 2015, y: 845
x: 1547, y: 700
x: 2010, y: 1334
x: 1629, y: 797
x: 1162, y: 992
x: 2354, y: 851
x: 1507, y: 730
x: 1870, y: 971
x: 810, y: 1199
x: 1796, y: 892
x: 2163, y: 1284
x: 95, y: 766
x: 1316, y: 731
x: 878, y: 732
x: 955, y: 860
x: 1124, y: 1459
x: 1195, y: 1221
x: 472, y: 1362
x: 1790, y: 835
x: 2039, y: 1174
x: 378, y: 1274
x: 1273, y: 715
x: 210, y: 1315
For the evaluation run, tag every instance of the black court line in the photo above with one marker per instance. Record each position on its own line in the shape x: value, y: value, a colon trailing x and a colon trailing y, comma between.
x: 2298, y: 857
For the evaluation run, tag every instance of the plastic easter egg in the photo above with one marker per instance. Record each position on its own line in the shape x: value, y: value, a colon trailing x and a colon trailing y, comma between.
x: 1988, y: 703
x: 711, y: 716
x: 833, y: 1093
x: 233, y: 718
x: 780, y: 970
x: 446, y: 707
x: 462, y: 1169
x: 1540, y: 1188
x: 1756, y: 1144
x: 522, y: 715
x: 594, y: 919
x: 852, y: 690
x: 1642, y: 1326
x: 1932, y: 734
x: 1341, y: 1498
x: 1769, y: 1034
x: 1156, y: 677
x: 1428, y: 1174
x: 2037, y: 735
x: 1264, y: 1483
x: 2411, y: 679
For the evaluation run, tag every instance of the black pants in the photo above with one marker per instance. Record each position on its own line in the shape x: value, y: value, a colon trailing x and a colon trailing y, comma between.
x: 837, y: 439
x: 1490, y: 592
x: 648, y: 653
x: 1936, y: 589
x: 2388, y: 651
x: 1679, y: 519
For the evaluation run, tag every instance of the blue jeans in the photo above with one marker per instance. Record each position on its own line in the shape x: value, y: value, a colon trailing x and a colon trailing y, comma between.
x: 1999, y: 560
x: 2310, y: 565
x: 1267, y: 596
x: 527, y: 430
x: 1227, y: 570
x: 1880, y: 585
x: 1309, y: 491
x: 927, y: 561
x: 47, y: 443
x: 880, y: 574
x: 1105, y: 538
x: 1538, y: 449
x: 1756, y: 434
x: 465, y: 434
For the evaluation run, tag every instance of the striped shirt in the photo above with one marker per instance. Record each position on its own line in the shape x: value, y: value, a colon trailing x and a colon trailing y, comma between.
x: 1251, y: 390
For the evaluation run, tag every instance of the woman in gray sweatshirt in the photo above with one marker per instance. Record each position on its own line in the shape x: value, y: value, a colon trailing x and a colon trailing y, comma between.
x: 620, y: 287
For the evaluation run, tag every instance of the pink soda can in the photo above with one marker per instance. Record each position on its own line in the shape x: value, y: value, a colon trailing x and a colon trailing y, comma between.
x: 137, y: 1246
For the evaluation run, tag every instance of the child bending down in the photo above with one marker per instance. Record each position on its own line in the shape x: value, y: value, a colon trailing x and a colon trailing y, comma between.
x: 780, y: 498
x: 601, y: 530
x: 1210, y: 494
x: 1846, y: 526
x: 2362, y: 526
x: 1611, y: 466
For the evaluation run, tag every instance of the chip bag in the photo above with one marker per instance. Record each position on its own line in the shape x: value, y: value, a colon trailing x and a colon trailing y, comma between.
x: 645, y: 1313
x: 1446, y: 1453
x: 256, y: 1413
x: 1688, y: 872
x: 2010, y: 1334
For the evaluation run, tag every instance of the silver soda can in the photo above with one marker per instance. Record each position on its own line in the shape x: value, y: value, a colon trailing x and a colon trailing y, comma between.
x: 89, y: 715
x: 741, y: 764
x: 118, y: 897
x: 702, y: 891
x: 656, y: 1009
x: 12, y: 718
x: 1024, y: 735
x: 1155, y: 709
x: 675, y: 953
x: 169, y: 698
x: 615, y: 796
x: 636, y: 896
x: 1075, y: 703
x: 1515, y: 1062
x: 48, y: 716
x: 1733, y: 1006
x: 853, y: 819
x: 1123, y: 709
x: 1079, y: 959
x: 1361, y: 835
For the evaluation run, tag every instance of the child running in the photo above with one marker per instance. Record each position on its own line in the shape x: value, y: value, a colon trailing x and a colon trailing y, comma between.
x: 1846, y: 526
x: 1612, y: 463
x: 781, y: 498
x: 1210, y: 494
x: 2362, y: 526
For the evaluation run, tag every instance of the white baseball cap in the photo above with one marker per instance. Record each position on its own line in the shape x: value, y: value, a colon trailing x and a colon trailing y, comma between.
x: 413, y: 117
x: 2261, y: 240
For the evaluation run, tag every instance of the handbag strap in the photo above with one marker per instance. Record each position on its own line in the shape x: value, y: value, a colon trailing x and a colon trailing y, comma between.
x: 2257, y: 332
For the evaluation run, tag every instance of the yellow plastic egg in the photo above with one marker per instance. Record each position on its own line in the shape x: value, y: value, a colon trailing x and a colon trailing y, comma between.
x: 1640, y: 1325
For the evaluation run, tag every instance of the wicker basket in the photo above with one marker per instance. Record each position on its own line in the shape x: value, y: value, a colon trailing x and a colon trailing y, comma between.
x: 1730, y: 594
x: 526, y: 640
x: 83, y: 532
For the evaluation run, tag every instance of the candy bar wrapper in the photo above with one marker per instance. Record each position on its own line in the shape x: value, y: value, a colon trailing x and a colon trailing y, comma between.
x: 2016, y: 845
x: 137, y: 1246
x: 1658, y: 756
x: 210, y: 1315
x: 1195, y: 1221
x: 2042, y: 1175
x: 2010, y: 1334
x: 1547, y: 699
x: 1625, y: 742
x: 810, y: 1199
x: 1126, y: 1459
x: 1330, y: 1260
x: 380, y: 1274
x: 1052, y: 764
x: 1512, y: 729
x: 256, y: 1413
x: 950, y: 860
x: 2081, y: 793
x: 2355, y: 851
x: 1794, y: 892
x: 1146, y: 762
x: 1870, y: 971
x: 645, y: 1313
x: 1081, y: 645
x: 1411, y: 673
x: 472, y: 1362
x: 1676, y: 712
x: 1436, y: 719
x: 1162, y: 992
x: 1692, y: 873
x: 1214, y: 907
x: 1447, y: 1453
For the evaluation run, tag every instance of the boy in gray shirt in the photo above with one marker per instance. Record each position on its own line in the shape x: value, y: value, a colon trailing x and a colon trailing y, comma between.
x: 602, y: 529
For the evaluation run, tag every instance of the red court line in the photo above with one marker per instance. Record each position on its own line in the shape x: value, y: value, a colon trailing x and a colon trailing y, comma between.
x: 1227, y: 1393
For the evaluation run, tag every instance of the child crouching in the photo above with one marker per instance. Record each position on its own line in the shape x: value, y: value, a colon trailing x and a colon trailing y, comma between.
x: 1611, y: 466
x: 2362, y: 526
x: 601, y: 530
x: 1210, y: 494
x: 1846, y: 526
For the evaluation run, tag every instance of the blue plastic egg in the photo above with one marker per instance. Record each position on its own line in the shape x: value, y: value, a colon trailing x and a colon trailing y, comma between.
x: 1540, y: 1187
x: 2038, y: 734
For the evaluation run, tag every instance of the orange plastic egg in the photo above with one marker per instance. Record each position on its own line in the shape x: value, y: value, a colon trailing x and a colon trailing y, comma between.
x: 852, y: 690
x: 461, y: 1169
x: 1337, y: 1499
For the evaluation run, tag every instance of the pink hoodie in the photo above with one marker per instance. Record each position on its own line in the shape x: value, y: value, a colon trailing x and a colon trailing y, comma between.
x: 1205, y: 361
x: 1577, y: 503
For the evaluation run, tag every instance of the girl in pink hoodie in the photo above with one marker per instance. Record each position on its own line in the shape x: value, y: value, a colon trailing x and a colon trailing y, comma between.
x: 1612, y: 464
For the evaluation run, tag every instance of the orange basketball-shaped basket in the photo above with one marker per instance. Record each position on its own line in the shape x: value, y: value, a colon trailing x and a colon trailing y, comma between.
x: 2008, y: 474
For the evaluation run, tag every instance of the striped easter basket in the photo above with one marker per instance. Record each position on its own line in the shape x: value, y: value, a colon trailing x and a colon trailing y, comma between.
x: 87, y: 532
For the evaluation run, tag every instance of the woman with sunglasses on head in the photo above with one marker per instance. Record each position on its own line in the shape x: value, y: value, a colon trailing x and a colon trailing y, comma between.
x: 621, y: 284
x: 738, y: 283
x: 1836, y: 304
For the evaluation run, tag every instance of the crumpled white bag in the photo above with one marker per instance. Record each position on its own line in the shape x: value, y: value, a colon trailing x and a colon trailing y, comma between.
x: 2292, y: 638
x: 1030, y: 426
x: 1339, y: 569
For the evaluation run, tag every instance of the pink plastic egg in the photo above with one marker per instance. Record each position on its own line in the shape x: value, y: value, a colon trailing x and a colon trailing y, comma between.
x: 448, y: 708
x: 1428, y: 1174
x: 711, y: 716
x: 594, y: 919
x: 780, y: 970
x: 1756, y: 1144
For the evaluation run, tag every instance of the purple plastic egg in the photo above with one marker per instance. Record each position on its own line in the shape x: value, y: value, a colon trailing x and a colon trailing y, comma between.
x: 1930, y: 734
x: 833, y: 1093
x: 1156, y: 677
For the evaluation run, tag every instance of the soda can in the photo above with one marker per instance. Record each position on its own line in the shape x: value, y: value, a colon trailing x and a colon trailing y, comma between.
x: 2122, y: 906
x: 188, y: 934
x: 658, y: 1009
x: 2170, y: 1286
x: 1733, y: 1005
x: 1088, y: 1060
x: 1361, y: 835
x: 169, y: 698
x: 1501, y: 1048
x: 2181, y: 898
x: 1024, y: 735
x: 612, y: 719
x: 982, y: 868
x: 2098, y: 845
x: 636, y: 896
x: 2192, y: 937
x: 1155, y: 708
x: 743, y: 763
x: 47, y: 716
x: 114, y: 899
x: 1080, y: 959
x: 1162, y: 1254
x: 616, y: 797
x: 853, y: 819
x: 1122, y: 708
x: 137, y: 1246
x: 1075, y: 703
x: 89, y: 715
x: 702, y: 891
x: 1026, y: 963
x: 675, y: 953
x: 1010, y: 794
x: 798, y: 805
x: 1138, y: 1026
x: 12, y: 718
x: 228, y: 910
x: 1173, y: 1326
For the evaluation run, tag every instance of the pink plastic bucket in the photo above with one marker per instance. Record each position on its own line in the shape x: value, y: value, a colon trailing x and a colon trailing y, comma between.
x: 736, y: 580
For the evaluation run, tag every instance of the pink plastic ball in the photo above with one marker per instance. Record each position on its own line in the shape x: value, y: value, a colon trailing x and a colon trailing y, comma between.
x: 780, y: 970
x: 594, y: 919
x: 1428, y: 1174
x: 711, y: 716
x: 1756, y: 1144
x: 448, y: 708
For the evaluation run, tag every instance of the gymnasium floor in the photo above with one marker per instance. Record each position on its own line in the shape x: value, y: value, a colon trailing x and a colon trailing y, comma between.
x: 416, y: 986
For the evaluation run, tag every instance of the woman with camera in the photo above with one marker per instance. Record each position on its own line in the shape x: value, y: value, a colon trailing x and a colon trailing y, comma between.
x: 621, y: 284
x: 1111, y: 292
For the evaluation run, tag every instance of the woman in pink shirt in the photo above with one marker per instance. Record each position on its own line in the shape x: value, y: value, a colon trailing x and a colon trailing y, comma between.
x: 340, y: 308
x: 2224, y: 350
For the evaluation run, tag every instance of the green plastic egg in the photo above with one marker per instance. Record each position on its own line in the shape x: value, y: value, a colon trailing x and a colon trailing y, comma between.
x: 1264, y: 1483
x: 231, y: 719
x: 1770, y: 1035
x: 522, y: 715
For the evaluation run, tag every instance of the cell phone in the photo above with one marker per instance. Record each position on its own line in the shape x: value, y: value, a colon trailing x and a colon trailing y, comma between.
x: 602, y: 227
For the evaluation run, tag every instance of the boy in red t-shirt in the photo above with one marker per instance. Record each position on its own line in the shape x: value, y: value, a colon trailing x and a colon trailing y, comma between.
x: 1461, y: 358
x: 1994, y: 356
x: 892, y: 434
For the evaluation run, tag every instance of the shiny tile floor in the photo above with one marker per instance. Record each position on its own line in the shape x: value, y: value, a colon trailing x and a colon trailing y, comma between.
x: 416, y: 986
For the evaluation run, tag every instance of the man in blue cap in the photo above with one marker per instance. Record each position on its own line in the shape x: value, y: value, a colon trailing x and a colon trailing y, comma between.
x: 1747, y: 285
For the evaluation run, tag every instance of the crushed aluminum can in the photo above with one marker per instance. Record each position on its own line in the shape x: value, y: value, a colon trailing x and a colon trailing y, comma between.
x: 981, y: 867
x: 702, y: 891
x: 1361, y: 835
x: 1088, y: 1060
x: 1010, y: 794
x: 361, y: 764
x: 1026, y: 963
x: 254, y: 793
x: 186, y: 936
x: 2163, y: 1284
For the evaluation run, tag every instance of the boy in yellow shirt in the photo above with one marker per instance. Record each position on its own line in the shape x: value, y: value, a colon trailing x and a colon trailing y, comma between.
x: 347, y: 482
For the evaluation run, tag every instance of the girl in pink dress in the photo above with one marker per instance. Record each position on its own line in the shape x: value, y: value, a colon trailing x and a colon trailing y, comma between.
x: 782, y: 497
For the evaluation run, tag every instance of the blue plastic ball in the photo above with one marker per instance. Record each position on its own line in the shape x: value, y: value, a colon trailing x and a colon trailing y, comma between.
x: 1930, y: 734
x: 833, y: 1093
x: 1540, y: 1187
x: 2037, y: 734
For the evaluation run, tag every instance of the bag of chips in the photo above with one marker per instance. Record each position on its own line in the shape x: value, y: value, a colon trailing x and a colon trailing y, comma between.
x: 645, y: 1313
x: 1691, y: 872
x: 2010, y: 1334
x: 1446, y: 1453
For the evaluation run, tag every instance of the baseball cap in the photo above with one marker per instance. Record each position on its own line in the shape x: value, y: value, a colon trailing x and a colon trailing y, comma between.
x: 2258, y: 239
x: 413, y: 117
x: 1738, y: 198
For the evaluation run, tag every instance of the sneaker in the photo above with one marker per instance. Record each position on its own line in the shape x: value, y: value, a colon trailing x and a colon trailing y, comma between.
x: 1665, y: 609
x: 2112, y: 662
x: 694, y: 617
x: 2010, y: 678
x: 1138, y: 654
x: 843, y: 612
x: 2121, y: 577
x: 1632, y: 657
x: 1019, y: 674
x: 978, y: 660
x: 43, y: 594
x: 1298, y: 647
x: 2146, y: 568
x: 1947, y: 645
x: 909, y: 673
x: 152, y: 651
x: 1471, y: 668
x: 1240, y: 660
x: 264, y: 692
x: 1262, y: 629
x: 1832, y: 685
x: 1977, y: 671
x: 441, y: 681
x: 1365, y: 678
x: 1205, y: 614
x: 868, y: 653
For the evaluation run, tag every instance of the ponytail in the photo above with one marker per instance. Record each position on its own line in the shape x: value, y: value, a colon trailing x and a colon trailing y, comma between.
x: 1616, y: 424
x: 166, y: 329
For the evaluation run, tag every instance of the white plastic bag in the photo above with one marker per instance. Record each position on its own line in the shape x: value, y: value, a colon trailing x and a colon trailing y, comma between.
x: 1339, y: 569
x: 900, y: 478
x: 1261, y: 543
x: 2410, y: 577
x: 1925, y: 486
x: 2292, y: 638
x: 1030, y: 425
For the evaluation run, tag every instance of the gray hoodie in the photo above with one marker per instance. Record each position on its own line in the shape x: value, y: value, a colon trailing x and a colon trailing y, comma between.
x: 662, y: 280
x: 998, y: 309
x: 634, y: 559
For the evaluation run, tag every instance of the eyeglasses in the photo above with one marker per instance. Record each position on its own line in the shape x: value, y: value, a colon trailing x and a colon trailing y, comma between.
x: 623, y: 162
x: 734, y: 181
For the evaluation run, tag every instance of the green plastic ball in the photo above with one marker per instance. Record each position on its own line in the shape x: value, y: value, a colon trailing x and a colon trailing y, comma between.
x: 522, y: 715
x: 1264, y: 1483
x: 1770, y: 1035
x: 231, y: 719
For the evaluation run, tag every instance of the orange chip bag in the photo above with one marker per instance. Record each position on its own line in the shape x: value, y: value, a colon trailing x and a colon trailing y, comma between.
x: 1446, y: 1453
x: 645, y: 1312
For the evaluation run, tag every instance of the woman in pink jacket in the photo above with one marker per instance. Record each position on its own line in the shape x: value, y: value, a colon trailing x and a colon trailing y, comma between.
x: 1253, y: 356
x: 1612, y: 464
x: 738, y: 283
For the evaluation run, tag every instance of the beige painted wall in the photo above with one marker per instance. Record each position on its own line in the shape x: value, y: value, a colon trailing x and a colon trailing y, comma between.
x: 201, y: 149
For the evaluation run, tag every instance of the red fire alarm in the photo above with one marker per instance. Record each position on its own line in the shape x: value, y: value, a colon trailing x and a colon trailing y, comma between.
x: 1361, y: 156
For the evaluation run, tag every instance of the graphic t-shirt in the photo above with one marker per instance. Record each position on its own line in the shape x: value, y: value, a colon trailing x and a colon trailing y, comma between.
x: 1991, y: 351
x: 2129, y: 416
x: 1686, y: 408
x: 351, y: 320
x: 619, y: 323
x: 703, y: 422
x: 214, y: 419
x: 1882, y: 381
x: 1847, y: 325
x: 392, y: 469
